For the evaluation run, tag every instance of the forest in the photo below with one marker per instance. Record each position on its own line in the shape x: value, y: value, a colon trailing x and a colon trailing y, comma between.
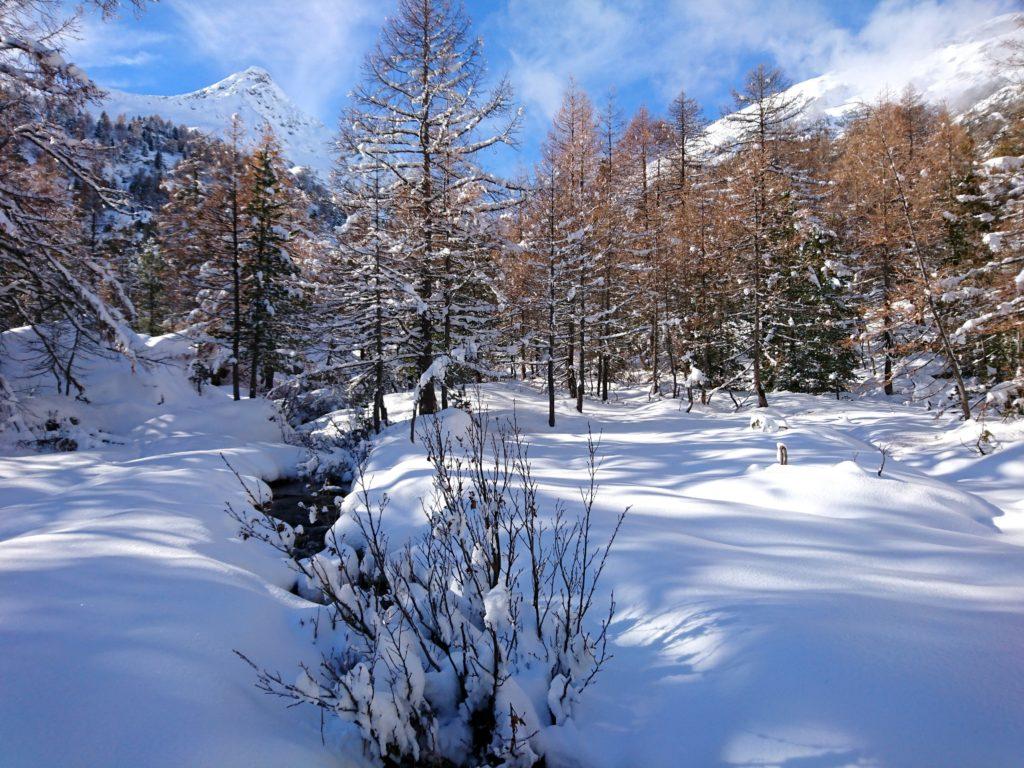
x: 700, y: 436
x: 778, y: 254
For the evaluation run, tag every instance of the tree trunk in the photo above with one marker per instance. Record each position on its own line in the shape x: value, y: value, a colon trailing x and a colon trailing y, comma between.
x: 236, y: 300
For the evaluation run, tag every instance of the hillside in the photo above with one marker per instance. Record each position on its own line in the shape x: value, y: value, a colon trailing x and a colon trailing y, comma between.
x: 253, y: 95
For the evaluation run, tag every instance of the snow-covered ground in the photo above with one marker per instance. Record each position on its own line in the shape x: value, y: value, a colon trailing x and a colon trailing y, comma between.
x: 808, y: 615
x: 124, y: 590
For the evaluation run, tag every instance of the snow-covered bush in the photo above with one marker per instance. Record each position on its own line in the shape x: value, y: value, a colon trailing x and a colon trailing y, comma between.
x: 463, y: 645
x: 767, y: 422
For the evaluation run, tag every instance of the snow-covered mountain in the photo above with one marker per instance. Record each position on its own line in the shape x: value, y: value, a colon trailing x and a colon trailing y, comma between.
x: 253, y: 95
x: 964, y: 74
x: 967, y: 74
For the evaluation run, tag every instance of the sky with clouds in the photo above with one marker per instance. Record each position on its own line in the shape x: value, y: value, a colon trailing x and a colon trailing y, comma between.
x: 645, y: 49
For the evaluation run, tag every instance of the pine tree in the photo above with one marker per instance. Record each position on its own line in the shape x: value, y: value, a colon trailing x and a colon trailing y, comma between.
x: 765, y: 121
x: 151, y: 275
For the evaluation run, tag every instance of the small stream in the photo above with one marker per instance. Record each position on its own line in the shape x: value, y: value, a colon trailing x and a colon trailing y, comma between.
x: 288, y: 494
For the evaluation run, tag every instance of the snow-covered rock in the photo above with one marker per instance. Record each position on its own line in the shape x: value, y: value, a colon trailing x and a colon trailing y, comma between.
x: 963, y: 74
x: 253, y: 95
x: 767, y: 422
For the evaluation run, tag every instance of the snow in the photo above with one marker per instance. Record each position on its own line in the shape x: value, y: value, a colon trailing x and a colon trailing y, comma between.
x: 964, y: 72
x: 124, y: 590
x: 252, y: 95
x: 815, y: 613
x: 810, y: 614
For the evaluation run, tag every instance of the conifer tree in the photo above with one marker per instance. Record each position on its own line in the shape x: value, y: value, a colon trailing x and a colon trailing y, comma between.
x: 45, y: 273
x: 366, y: 299
x: 421, y: 109
x: 644, y: 145
x: 765, y: 121
x: 573, y: 159
x: 272, y: 221
x: 616, y: 287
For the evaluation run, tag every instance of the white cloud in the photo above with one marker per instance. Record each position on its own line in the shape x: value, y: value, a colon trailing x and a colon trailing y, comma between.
x: 93, y: 47
x: 704, y: 46
x: 890, y: 49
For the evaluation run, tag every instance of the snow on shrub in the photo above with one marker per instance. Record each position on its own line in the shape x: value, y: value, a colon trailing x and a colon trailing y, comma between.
x: 766, y: 422
x: 465, y: 643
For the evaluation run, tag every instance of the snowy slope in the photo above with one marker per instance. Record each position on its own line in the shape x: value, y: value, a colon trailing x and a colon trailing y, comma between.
x: 253, y: 95
x: 124, y: 590
x: 961, y: 74
x: 808, y: 615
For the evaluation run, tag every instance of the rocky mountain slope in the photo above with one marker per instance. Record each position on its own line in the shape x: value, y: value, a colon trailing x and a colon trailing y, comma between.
x: 254, y: 96
x: 969, y: 75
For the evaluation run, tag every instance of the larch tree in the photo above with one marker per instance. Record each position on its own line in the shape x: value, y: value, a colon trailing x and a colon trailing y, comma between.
x: 45, y: 272
x: 423, y: 112
x: 764, y: 122
x: 223, y: 212
x: 891, y: 173
x: 366, y: 300
x: 615, y: 288
x: 573, y: 159
x: 644, y: 145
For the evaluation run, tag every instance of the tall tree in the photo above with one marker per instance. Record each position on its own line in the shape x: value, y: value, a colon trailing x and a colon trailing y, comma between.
x: 421, y: 110
x: 273, y: 220
x: 765, y: 121
x: 45, y: 273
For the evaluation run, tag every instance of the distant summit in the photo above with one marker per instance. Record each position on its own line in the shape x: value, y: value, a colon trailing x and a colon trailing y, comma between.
x: 962, y: 74
x: 254, y: 96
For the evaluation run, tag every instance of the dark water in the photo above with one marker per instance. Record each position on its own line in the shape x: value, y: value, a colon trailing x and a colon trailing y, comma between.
x: 285, y: 506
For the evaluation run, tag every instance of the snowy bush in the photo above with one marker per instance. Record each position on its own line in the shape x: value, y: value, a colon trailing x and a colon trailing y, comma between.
x: 766, y: 422
x: 463, y: 644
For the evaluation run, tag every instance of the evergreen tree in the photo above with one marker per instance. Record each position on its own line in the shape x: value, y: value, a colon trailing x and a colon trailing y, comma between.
x: 764, y: 123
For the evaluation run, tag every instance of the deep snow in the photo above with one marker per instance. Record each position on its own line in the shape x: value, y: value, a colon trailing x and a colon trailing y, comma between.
x: 124, y: 590
x: 808, y: 615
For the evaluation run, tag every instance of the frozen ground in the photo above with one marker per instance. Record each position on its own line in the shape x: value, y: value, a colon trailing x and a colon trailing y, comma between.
x: 804, y: 616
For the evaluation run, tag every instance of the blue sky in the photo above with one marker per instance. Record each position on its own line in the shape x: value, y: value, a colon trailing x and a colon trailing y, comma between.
x: 646, y: 49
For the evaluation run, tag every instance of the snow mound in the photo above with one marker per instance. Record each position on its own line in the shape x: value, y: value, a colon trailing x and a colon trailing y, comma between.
x: 124, y: 589
x: 846, y: 490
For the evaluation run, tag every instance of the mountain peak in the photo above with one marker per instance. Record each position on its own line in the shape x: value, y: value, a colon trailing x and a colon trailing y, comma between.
x: 253, y: 95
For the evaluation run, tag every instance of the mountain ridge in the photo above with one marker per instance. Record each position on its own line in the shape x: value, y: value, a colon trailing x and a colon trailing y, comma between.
x: 250, y: 93
x: 963, y: 74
